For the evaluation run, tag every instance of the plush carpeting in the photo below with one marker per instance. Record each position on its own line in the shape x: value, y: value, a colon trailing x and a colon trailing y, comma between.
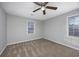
x: 39, y: 48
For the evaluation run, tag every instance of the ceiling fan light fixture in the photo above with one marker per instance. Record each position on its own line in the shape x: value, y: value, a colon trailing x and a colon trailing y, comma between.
x: 42, y: 8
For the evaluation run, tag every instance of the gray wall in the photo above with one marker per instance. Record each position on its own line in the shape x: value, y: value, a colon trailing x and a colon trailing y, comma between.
x: 17, y: 29
x: 55, y: 29
x: 2, y: 30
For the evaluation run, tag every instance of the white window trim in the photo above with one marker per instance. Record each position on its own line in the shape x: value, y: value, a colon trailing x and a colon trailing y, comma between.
x: 73, y: 37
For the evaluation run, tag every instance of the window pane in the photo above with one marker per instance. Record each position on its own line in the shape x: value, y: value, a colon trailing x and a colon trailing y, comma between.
x: 73, y: 23
x: 30, y: 27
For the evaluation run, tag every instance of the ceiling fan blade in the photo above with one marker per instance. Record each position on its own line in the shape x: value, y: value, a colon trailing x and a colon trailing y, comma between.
x: 44, y: 12
x: 36, y: 9
x: 45, y: 3
x: 37, y: 3
x: 49, y: 7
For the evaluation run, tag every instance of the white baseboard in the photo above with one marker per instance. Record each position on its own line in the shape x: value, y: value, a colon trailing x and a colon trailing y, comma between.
x: 68, y: 45
x: 15, y: 42
x: 2, y: 50
x: 21, y: 41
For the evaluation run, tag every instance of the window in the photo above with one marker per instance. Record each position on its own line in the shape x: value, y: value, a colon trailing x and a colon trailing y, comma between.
x: 30, y: 27
x: 73, y: 26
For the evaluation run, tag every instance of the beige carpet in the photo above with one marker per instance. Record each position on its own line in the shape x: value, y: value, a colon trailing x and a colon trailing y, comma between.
x: 39, y: 48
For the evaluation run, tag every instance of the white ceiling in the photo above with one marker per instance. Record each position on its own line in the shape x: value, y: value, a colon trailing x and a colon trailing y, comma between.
x: 25, y: 9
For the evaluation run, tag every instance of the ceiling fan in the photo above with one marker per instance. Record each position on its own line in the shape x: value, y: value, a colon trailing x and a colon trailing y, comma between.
x: 43, y: 7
